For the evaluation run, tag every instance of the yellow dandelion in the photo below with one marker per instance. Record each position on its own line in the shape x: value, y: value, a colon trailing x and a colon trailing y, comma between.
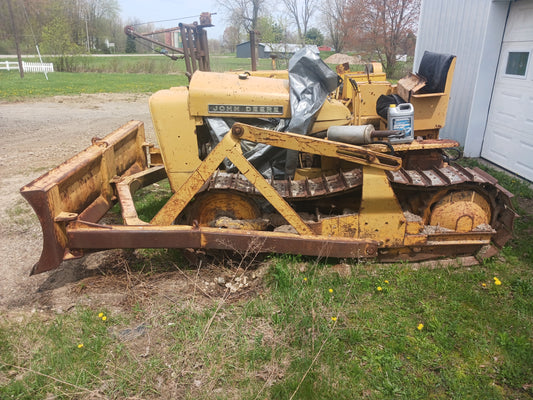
x: 379, y: 288
x: 330, y: 290
x: 387, y: 282
x: 305, y: 279
x: 497, y: 282
x: 104, y: 318
x: 80, y: 345
x: 420, y: 327
x: 334, y: 319
x: 100, y: 315
x: 484, y: 284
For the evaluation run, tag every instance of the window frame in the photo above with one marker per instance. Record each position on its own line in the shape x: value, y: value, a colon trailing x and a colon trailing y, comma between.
x: 526, y: 72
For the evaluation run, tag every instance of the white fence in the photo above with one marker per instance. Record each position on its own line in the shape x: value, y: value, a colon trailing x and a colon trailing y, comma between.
x: 27, y: 66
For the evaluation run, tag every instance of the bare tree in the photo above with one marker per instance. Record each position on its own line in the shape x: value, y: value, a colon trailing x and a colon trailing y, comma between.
x: 99, y: 16
x: 21, y: 15
x: 243, y: 13
x: 334, y: 13
x: 231, y: 38
x: 384, y: 26
x: 96, y: 19
x: 301, y: 12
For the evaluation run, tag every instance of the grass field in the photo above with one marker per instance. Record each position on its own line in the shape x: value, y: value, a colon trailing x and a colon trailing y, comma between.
x: 12, y: 88
x: 122, y: 74
x: 314, y: 332
x: 311, y: 329
x: 161, y: 65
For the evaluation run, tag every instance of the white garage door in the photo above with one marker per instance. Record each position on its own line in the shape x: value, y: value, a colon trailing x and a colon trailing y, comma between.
x: 508, y: 139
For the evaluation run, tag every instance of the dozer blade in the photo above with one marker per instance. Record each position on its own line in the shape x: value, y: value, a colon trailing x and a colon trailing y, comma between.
x: 81, y: 189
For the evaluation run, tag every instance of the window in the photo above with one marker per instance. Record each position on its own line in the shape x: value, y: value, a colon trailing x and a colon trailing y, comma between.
x: 517, y: 63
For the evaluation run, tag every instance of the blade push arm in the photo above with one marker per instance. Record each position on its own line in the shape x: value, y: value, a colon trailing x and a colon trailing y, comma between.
x: 230, y: 147
x: 322, y: 147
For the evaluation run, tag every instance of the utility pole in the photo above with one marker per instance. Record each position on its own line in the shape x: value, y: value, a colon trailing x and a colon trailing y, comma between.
x: 87, y: 31
x: 21, y: 70
x: 253, y: 49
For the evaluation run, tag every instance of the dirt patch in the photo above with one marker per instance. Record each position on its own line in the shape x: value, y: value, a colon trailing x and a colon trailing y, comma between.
x: 36, y: 136
x: 39, y: 135
x: 343, y: 58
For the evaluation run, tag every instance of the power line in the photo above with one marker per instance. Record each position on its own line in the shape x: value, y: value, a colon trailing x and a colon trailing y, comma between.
x: 33, y: 35
x: 168, y: 20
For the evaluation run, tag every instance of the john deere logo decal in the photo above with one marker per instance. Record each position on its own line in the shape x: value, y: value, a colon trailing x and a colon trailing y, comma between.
x: 242, y: 109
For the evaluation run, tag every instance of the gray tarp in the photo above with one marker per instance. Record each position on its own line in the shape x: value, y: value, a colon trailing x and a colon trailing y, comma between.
x: 268, y: 160
x: 310, y: 81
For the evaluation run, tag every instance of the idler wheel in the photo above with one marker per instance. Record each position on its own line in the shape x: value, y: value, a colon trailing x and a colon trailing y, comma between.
x: 461, y: 211
x: 207, y: 207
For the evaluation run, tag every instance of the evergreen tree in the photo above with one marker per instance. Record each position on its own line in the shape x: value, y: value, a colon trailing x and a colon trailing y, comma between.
x: 131, y: 45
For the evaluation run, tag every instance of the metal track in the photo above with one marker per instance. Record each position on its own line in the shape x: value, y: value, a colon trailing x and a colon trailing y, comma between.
x: 426, y: 183
x: 333, y: 185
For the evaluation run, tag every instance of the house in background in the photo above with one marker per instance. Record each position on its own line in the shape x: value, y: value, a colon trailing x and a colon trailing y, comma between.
x: 282, y: 50
x: 491, y: 103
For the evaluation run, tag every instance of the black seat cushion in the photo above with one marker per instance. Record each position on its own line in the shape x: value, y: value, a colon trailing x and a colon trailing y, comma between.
x: 434, y: 68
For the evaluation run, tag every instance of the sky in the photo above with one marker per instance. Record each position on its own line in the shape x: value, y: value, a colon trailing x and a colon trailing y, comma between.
x: 159, y: 10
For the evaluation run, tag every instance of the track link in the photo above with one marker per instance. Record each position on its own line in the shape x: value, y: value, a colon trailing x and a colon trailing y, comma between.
x: 407, y: 183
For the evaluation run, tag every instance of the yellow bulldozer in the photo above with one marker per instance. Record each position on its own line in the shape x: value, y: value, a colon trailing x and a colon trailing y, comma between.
x: 246, y: 177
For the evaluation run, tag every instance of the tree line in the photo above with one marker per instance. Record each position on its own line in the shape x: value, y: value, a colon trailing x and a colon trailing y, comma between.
x: 379, y: 29
x: 62, y: 26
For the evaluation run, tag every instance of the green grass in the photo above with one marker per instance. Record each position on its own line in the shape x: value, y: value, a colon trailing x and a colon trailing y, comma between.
x: 157, y: 64
x: 12, y: 88
x: 376, y: 348
x: 512, y: 183
x: 75, y: 354
x: 151, y: 63
x: 136, y: 74
x: 232, y: 63
x: 149, y: 200
x: 475, y: 342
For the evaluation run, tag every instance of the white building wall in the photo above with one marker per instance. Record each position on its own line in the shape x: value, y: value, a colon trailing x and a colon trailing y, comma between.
x: 486, y: 75
x: 463, y: 28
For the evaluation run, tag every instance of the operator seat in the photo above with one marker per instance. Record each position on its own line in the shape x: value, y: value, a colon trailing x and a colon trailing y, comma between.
x: 429, y: 92
x: 434, y: 69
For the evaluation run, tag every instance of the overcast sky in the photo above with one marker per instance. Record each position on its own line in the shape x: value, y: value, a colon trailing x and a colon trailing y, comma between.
x: 157, y: 10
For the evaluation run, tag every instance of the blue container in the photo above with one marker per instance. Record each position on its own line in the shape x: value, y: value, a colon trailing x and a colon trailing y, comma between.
x: 401, y: 118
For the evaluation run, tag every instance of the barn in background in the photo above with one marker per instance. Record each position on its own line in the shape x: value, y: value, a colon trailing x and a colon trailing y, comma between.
x: 491, y: 104
x: 244, y: 50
